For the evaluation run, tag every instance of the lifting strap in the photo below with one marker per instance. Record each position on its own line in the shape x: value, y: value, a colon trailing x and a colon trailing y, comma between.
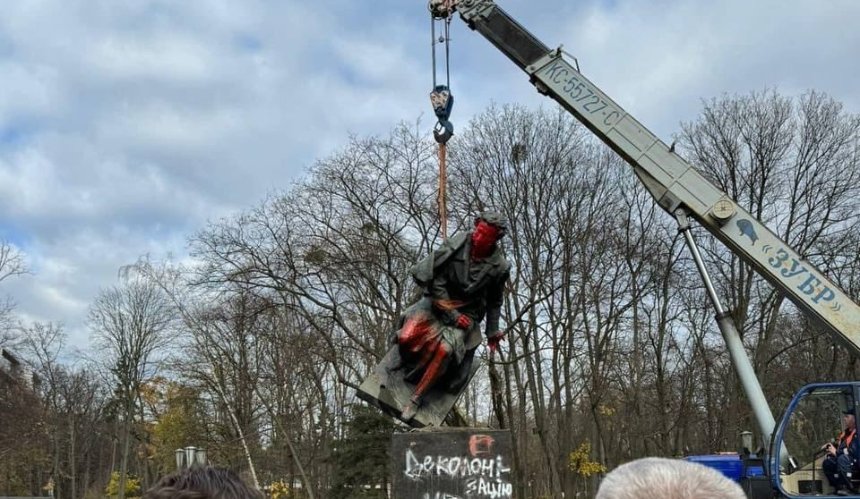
x: 442, y: 102
x: 443, y: 190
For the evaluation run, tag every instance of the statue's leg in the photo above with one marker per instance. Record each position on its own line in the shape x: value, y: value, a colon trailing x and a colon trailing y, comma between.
x: 460, y: 374
x: 417, y: 340
x: 435, y: 368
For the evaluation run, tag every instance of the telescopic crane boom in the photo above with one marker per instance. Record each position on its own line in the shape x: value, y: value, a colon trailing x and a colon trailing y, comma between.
x: 676, y: 186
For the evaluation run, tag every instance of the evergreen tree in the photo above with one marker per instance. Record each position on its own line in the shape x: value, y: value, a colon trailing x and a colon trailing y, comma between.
x: 361, y: 458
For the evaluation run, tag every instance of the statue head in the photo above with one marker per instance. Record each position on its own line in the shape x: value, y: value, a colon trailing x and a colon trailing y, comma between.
x: 494, y: 218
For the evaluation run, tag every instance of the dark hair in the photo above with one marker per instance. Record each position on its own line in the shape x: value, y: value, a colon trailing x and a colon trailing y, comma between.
x: 202, y: 482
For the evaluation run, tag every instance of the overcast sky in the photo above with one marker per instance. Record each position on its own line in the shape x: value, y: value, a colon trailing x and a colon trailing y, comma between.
x: 126, y: 125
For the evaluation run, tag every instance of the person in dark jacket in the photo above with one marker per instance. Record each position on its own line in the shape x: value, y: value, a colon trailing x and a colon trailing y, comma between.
x: 463, y: 283
x: 841, y: 458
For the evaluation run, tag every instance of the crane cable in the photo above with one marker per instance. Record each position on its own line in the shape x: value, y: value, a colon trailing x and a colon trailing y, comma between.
x: 442, y: 101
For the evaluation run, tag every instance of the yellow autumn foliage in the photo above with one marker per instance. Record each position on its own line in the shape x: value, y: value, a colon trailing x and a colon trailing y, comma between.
x: 580, y: 461
x: 132, y: 485
x: 606, y: 410
x: 279, y: 490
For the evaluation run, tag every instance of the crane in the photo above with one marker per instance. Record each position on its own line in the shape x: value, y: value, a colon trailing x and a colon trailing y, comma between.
x: 688, y: 196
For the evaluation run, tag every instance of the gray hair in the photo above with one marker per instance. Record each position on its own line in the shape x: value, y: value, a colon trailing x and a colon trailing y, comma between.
x: 655, y: 477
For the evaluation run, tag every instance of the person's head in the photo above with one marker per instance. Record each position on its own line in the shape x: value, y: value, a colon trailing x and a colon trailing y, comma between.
x: 848, y: 419
x: 667, y: 479
x: 202, y: 482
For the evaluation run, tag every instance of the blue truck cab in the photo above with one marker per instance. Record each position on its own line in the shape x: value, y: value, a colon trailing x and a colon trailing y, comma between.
x: 793, y: 466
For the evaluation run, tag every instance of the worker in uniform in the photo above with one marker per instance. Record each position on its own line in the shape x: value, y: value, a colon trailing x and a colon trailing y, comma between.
x: 463, y: 283
x: 841, y: 457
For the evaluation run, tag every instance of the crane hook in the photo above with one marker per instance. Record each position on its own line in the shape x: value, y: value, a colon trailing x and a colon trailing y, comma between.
x: 443, y: 131
x: 442, y: 102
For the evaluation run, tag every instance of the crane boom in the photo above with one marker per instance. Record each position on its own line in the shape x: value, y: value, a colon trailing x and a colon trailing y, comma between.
x: 672, y: 181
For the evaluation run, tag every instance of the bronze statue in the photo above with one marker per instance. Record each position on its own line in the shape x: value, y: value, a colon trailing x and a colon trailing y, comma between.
x: 463, y: 283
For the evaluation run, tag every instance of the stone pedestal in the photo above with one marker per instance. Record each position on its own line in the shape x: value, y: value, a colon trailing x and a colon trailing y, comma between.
x: 452, y: 463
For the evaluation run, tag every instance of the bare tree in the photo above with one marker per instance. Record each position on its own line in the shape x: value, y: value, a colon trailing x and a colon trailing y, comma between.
x: 73, y: 403
x: 44, y: 342
x: 219, y: 356
x: 564, y: 197
x: 130, y: 325
x: 792, y: 163
x: 12, y: 263
x: 337, y: 248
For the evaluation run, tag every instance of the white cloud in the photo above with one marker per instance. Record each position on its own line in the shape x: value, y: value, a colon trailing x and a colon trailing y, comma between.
x: 28, y: 92
x: 124, y: 126
x: 659, y: 59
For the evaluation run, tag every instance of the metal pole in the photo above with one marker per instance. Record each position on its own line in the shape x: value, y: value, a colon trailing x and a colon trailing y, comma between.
x: 743, y: 366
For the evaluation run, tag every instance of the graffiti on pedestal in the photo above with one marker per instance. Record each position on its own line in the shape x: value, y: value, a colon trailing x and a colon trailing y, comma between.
x: 454, y: 465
